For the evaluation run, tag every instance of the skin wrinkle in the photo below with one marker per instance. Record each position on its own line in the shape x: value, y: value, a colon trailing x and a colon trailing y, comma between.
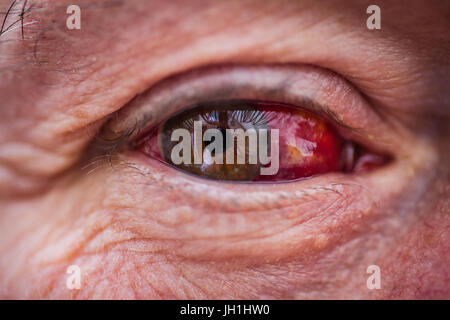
x: 133, y: 225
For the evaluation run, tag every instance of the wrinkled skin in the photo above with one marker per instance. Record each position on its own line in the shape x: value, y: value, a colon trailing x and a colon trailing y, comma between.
x: 148, y: 231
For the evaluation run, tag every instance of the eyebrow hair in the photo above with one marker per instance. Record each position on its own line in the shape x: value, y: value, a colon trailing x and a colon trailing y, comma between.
x: 43, y: 22
x: 14, y: 17
x: 26, y: 7
x: 20, y: 12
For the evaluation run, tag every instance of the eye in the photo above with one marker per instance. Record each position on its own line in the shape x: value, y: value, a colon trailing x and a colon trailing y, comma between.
x: 253, y: 141
x: 252, y: 124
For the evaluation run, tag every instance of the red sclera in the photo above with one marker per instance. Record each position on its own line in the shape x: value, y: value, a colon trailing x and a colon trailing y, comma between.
x: 307, y: 144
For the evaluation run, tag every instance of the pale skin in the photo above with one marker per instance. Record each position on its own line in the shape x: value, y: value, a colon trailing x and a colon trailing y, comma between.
x: 150, y: 232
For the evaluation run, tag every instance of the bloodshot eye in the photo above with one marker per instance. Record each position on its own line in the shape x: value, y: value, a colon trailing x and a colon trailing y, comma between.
x: 253, y: 141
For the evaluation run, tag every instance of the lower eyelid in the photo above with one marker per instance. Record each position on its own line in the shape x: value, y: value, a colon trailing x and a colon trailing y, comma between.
x: 192, y: 210
x: 207, y: 195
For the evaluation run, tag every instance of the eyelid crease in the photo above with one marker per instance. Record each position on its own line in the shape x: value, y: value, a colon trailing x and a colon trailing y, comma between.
x: 304, y: 86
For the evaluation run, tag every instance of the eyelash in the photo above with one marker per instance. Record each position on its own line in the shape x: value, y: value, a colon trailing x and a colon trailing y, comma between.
x: 109, y: 140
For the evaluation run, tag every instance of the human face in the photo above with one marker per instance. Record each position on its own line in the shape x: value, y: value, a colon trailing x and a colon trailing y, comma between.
x: 138, y: 228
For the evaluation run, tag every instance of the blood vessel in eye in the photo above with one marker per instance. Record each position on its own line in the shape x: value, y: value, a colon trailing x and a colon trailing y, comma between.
x: 307, y: 144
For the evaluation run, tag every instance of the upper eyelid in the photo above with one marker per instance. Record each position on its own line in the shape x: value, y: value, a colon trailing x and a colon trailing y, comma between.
x: 294, y: 84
